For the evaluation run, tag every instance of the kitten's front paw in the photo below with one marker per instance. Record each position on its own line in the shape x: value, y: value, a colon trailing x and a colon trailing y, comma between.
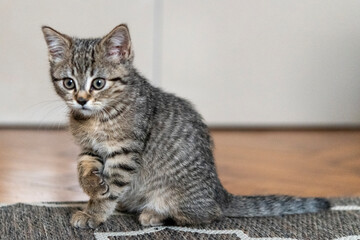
x: 94, y: 185
x: 81, y: 219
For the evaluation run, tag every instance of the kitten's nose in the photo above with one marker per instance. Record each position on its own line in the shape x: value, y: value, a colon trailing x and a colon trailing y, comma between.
x: 82, y: 101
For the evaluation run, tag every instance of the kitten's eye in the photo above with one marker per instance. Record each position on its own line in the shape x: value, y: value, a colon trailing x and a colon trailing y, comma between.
x: 69, y: 83
x: 98, y: 83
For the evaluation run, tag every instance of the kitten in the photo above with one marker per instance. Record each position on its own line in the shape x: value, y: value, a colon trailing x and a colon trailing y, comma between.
x: 143, y: 150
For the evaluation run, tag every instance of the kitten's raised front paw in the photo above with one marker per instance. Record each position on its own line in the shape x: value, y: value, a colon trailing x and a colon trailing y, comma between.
x: 151, y: 218
x: 81, y: 219
x: 94, y: 185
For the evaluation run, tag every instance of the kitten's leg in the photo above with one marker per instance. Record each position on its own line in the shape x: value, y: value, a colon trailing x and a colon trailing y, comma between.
x: 197, y: 211
x: 96, y: 212
x: 119, y: 170
x: 122, y: 209
x: 101, y: 204
x: 90, y: 167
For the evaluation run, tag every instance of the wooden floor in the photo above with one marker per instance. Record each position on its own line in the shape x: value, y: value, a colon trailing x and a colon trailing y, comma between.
x: 40, y: 165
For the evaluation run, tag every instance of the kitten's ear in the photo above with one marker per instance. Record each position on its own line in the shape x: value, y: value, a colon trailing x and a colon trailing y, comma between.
x: 58, y: 44
x: 117, y: 45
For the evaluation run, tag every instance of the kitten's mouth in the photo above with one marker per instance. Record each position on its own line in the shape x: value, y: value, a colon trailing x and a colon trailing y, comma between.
x: 85, y: 111
x: 82, y: 109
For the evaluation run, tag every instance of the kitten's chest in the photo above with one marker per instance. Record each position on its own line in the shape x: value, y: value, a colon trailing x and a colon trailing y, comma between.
x: 97, y: 136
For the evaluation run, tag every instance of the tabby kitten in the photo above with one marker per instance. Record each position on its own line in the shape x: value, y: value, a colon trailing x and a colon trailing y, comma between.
x: 143, y: 150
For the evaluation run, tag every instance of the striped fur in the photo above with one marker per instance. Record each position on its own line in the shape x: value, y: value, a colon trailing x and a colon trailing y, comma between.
x: 144, y: 150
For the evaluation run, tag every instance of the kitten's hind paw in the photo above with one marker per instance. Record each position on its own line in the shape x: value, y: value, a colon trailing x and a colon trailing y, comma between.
x: 81, y: 219
x: 151, y: 218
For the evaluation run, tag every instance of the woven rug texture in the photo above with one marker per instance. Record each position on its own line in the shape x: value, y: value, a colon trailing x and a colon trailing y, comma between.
x: 51, y: 221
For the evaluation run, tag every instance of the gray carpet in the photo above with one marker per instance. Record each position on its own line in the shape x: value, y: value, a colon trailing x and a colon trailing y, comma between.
x: 51, y: 221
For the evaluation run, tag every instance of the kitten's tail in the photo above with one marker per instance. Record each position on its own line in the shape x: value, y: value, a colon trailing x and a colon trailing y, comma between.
x: 273, y: 205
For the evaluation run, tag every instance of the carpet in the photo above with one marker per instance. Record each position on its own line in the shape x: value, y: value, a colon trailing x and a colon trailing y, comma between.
x: 51, y: 221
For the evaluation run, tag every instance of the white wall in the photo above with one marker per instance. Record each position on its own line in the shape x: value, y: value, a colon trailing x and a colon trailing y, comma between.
x: 242, y: 63
x: 265, y: 62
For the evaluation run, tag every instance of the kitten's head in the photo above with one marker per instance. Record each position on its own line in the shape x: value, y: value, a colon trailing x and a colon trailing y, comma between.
x: 90, y: 74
